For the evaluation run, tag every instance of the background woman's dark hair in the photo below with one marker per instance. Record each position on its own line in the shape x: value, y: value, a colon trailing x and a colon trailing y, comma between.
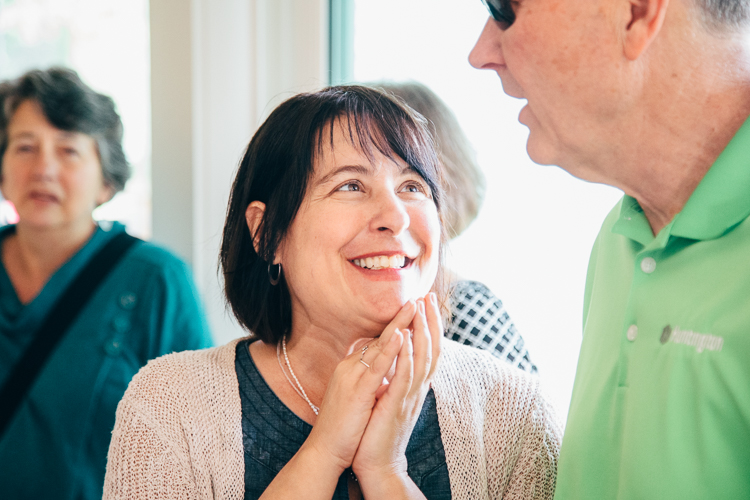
x: 71, y: 105
x: 463, y: 180
x: 275, y: 170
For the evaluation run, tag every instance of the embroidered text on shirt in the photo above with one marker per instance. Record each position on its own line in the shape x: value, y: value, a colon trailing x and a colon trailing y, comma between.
x: 700, y: 341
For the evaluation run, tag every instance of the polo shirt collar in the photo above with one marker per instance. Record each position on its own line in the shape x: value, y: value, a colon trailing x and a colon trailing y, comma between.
x: 721, y: 200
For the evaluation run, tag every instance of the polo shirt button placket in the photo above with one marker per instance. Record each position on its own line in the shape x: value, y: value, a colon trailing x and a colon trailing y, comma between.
x: 648, y: 265
x: 632, y: 333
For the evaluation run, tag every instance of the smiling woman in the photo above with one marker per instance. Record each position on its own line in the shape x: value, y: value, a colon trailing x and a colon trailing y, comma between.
x: 346, y: 387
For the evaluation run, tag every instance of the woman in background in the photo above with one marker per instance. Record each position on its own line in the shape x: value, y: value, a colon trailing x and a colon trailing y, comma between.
x: 478, y: 318
x: 61, y: 157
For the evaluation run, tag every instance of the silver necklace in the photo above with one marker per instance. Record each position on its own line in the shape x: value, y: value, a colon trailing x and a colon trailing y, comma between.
x: 295, y: 385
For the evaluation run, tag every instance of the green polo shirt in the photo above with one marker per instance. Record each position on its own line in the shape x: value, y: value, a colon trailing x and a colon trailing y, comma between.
x: 661, y: 402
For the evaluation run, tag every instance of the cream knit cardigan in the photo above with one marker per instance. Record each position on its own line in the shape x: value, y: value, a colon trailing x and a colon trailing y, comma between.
x: 179, y: 432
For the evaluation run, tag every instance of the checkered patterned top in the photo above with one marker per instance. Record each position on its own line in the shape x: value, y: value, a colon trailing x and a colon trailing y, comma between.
x: 479, y: 319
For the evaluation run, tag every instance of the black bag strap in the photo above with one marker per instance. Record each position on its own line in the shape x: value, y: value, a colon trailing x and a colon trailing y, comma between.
x: 56, y: 323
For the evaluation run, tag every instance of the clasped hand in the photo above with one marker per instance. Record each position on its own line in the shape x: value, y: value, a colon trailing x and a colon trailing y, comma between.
x: 368, y: 412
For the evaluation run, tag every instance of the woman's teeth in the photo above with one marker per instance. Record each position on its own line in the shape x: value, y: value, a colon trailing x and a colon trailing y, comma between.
x: 381, y: 262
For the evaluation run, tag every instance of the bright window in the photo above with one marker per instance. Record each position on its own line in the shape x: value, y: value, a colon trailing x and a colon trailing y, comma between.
x: 532, y: 239
x: 107, y: 43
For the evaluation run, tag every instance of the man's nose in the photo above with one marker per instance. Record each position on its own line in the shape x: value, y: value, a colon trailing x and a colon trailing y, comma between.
x: 390, y: 215
x: 487, y: 52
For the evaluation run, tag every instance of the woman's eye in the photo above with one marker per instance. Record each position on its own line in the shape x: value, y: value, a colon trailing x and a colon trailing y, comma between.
x: 24, y: 148
x: 414, y: 187
x: 350, y: 186
x: 70, y: 151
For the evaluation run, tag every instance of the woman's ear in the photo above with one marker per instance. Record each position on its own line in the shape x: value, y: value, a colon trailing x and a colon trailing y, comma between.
x: 105, y: 194
x: 254, y: 217
x: 645, y: 19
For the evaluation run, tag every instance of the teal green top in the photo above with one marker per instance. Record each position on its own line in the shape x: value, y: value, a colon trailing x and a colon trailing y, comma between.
x: 56, y: 446
x: 661, y: 402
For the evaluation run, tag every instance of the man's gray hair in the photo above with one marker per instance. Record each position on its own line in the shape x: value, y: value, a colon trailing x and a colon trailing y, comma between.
x: 725, y: 14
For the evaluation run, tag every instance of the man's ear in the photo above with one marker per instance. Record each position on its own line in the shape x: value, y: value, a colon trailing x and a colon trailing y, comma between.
x: 645, y: 19
x: 253, y: 217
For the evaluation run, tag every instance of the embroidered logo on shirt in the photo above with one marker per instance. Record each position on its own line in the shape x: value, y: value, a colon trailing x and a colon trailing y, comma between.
x: 700, y: 341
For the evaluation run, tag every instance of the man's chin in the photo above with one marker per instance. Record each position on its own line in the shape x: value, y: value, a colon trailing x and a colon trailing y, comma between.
x: 540, y: 152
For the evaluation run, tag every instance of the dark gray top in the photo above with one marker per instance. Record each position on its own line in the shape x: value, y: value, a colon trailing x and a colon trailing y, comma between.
x: 272, y: 434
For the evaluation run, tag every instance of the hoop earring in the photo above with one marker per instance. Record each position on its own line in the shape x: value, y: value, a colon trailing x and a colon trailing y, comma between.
x: 274, y: 281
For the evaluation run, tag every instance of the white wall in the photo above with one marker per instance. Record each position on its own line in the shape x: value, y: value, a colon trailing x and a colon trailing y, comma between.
x: 217, y: 69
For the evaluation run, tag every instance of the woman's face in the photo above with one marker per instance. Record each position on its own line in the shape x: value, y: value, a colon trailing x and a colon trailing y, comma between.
x: 365, y: 240
x: 53, y: 177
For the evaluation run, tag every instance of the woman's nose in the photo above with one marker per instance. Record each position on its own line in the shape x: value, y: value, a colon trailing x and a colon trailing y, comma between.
x: 487, y: 52
x: 390, y: 215
x: 45, y: 163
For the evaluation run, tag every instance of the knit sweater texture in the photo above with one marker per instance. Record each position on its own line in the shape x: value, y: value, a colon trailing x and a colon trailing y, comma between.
x: 179, y: 429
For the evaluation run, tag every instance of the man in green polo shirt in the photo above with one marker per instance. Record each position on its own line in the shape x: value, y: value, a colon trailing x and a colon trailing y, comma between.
x: 653, y: 97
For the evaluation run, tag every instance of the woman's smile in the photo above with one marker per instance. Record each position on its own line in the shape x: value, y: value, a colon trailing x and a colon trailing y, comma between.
x: 379, y: 262
x: 383, y: 266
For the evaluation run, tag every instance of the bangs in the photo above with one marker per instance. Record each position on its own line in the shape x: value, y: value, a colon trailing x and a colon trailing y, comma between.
x: 394, y: 131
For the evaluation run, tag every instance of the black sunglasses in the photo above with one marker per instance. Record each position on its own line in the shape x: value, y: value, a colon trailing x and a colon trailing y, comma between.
x: 501, y: 11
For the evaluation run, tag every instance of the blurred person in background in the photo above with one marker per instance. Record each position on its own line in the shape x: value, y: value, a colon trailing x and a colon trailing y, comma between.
x: 478, y: 318
x: 61, y: 157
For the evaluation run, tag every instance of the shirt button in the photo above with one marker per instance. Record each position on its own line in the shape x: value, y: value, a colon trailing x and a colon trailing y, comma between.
x: 128, y: 301
x: 632, y: 333
x: 648, y: 265
x: 113, y: 347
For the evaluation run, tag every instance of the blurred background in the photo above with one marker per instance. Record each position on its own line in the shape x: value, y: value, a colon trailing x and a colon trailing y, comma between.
x: 193, y: 80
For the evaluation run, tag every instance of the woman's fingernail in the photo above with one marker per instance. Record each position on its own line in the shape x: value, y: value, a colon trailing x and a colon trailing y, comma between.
x: 420, y: 305
x: 433, y: 297
x: 395, y: 336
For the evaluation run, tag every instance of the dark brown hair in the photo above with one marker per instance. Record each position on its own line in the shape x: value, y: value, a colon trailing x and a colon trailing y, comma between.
x: 275, y: 170
x: 70, y: 105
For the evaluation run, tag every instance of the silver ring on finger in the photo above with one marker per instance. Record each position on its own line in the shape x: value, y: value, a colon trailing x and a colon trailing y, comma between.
x: 362, y: 356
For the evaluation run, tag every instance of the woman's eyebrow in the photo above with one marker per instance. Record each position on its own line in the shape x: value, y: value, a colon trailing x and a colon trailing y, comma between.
x: 356, y: 169
x: 28, y: 134
x: 23, y: 134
